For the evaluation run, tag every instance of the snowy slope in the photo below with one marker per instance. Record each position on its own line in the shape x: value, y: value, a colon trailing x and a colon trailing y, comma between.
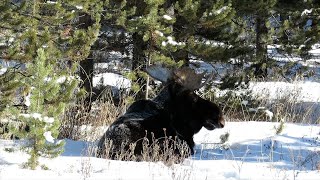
x: 253, y: 151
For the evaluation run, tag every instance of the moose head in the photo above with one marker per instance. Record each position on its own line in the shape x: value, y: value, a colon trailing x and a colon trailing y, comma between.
x: 188, y: 111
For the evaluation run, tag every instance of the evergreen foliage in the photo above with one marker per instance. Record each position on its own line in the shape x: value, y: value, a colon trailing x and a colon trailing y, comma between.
x: 48, y: 94
x: 56, y: 25
x: 299, y: 26
x: 223, y: 31
x: 47, y: 38
x: 149, y: 26
x: 206, y: 28
x: 9, y: 81
x: 172, y: 32
x: 282, y: 24
x: 30, y: 25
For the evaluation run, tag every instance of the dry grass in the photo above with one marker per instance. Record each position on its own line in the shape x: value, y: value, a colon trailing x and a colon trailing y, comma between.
x: 285, y: 106
x: 78, y: 122
x: 167, y: 150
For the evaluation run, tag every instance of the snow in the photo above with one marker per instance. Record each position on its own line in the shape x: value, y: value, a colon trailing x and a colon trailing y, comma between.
x: 111, y: 79
x: 159, y: 33
x: 39, y: 117
x: 48, y: 119
x: 52, y: 2
x: 219, y: 11
x: 315, y: 51
x: 306, y: 12
x: 47, y: 135
x: 306, y: 91
x: 252, y: 151
x: 167, y: 17
x: 244, y: 102
x: 3, y: 70
x: 60, y: 79
x: 172, y: 42
x: 79, y: 7
x: 33, y: 115
x: 269, y: 114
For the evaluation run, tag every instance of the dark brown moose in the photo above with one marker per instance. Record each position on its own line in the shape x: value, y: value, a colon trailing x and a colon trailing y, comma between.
x: 176, y: 112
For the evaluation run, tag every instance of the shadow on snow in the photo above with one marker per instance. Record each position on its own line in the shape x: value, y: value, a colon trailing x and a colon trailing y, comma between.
x: 285, y: 152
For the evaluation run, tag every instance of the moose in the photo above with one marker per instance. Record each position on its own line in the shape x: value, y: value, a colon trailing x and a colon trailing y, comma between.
x: 177, y: 111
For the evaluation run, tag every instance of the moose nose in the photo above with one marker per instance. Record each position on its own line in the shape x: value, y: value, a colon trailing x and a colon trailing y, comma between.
x: 222, y: 122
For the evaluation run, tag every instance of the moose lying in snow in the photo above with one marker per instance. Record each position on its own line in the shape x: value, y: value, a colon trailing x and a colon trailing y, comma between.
x: 177, y: 112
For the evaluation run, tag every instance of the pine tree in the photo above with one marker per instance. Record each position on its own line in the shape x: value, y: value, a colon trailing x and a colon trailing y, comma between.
x: 48, y: 38
x: 254, y: 18
x: 60, y: 25
x: 206, y: 28
x: 48, y: 94
x: 280, y: 23
x: 173, y: 31
x: 149, y: 28
x: 30, y: 25
x: 298, y: 27
x: 10, y: 81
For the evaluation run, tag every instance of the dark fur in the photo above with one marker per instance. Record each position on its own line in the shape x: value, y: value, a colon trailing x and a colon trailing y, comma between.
x: 191, y: 113
x: 174, y: 112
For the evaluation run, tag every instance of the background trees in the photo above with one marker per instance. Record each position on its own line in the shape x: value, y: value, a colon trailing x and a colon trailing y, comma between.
x: 282, y: 25
x: 174, y: 32
x: 75, y: 34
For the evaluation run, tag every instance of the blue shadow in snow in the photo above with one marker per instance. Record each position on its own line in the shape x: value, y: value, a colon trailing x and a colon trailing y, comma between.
x: 76, y: 148
x: 298, y: 153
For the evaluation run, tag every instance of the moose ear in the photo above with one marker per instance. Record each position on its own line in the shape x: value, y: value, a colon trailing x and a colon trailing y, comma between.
x: 159, y: 72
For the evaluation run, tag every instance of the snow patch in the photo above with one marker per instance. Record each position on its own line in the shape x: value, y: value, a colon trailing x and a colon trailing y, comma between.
x: 172, y: 42
x: 244, y: 102
x: 269, y: 114
x: 79, y: 7
x: 47, y: 135
x: 159, y: 33
x: 3, y: 70
x: 48, y: 119
x: 52, y: 2
x: 306, y: 12
x: 167, y: 17
x: 111, y: 79
x: 219, y: 11
x: 60, y: 79
x: 39, y: 117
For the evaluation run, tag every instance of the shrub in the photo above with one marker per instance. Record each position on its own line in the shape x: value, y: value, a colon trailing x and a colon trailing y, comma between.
x: 48, y: 93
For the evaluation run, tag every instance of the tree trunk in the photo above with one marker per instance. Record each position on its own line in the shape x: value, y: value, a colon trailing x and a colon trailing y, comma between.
x: 261, y: 47
x: 86, y: 75
x: 86, y: 65
x: 139, y: 63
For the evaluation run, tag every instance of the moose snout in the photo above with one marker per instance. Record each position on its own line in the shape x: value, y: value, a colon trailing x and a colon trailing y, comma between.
x: 222, y: 122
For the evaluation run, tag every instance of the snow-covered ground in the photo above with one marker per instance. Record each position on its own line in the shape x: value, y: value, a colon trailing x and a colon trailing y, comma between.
x: 253, y: 151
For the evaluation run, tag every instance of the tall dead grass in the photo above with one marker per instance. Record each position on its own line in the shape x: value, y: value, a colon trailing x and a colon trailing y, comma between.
x: 167, y: 150
x: 78, y: 123
x: 284, y: 106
